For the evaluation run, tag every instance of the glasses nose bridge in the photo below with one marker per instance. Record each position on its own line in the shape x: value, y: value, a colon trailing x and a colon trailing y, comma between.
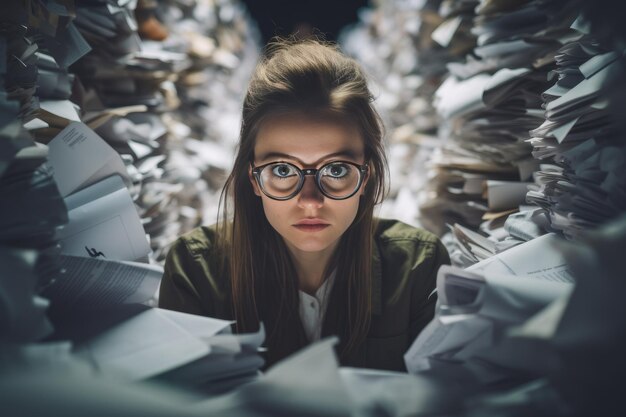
x: 312, y: 172
x: 316, y: 191
x: 309, y: 171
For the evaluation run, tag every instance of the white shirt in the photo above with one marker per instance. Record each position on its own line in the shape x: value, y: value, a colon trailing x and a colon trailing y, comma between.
x: 313, y: 308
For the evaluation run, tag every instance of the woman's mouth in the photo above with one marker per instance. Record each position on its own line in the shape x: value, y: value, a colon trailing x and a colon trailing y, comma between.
x: 311, y: 225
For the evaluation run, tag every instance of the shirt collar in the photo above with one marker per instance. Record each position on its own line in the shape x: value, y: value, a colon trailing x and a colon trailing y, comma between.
x: 324, y: 290
x: 377, y: 276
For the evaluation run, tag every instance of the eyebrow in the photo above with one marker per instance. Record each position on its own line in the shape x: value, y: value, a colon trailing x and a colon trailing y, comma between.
x: 346, y: 153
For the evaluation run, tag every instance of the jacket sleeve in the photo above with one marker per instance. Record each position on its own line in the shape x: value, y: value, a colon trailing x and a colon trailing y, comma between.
x: 177, y: 291
x: 423, y: 293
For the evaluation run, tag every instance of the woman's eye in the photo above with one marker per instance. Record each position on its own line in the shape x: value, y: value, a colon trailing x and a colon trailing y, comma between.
x: 283, y: 170
x: 337, y: 170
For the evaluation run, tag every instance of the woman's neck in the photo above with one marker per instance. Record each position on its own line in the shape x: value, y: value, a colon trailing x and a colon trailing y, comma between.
x: 311, y: 266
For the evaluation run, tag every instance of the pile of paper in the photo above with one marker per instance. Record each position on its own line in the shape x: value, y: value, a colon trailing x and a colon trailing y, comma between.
x: 125, y: 89
x: 404, y: 47
x: 78, y: 163
x: 534, y: 330
x: 74, y: 241
x: 31, y: 206
x: 163, y: 86
x: 93, y: 179
x: 583, y: 150
x: 499, y: 231
x: 479, y: 305
x: 222, y: 45
x: 100, y: 306
x: 511, y: 337
x: 488, y: 104
x: 281, y: 391
x: 572, y: 350
x: 40, y: 78
x: 181, y: 349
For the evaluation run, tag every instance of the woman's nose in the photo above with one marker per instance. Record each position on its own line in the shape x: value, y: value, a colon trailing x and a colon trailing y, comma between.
x: 310, y: 195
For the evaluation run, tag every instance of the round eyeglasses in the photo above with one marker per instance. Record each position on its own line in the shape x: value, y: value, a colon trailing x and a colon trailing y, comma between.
x: 337, y: 180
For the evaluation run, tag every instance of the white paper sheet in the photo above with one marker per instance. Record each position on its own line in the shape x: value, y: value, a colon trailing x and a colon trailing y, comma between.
x: 89, y: 283
x: 444, y: 334
x: 79, y: 158
x: 145, y: 345
x: 538, y: 258
x: 103, y: 223
x: 503, y: 195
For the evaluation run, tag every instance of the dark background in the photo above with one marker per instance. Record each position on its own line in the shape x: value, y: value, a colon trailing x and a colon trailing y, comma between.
x: 286, y: 17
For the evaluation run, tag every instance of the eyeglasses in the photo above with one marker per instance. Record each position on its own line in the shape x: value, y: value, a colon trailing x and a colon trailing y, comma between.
x: 337, y: 180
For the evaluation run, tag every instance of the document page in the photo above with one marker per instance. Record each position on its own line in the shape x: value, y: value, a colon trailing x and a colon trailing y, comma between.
x: 538, y: 258
x: 199, y: 326
x: 103, y: 223
x: 88, y: 283
x: 446, y: 334
x: 79, y: 157
x: 145, y: 345
x: 504, y: 195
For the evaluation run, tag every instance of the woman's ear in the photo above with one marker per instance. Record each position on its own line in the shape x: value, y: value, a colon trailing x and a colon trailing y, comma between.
x: 255, y: 186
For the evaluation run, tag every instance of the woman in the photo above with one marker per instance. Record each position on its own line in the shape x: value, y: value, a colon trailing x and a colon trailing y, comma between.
x: 300, y: 249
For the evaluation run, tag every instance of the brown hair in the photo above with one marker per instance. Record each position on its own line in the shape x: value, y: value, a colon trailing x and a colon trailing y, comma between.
x: 310, y: 76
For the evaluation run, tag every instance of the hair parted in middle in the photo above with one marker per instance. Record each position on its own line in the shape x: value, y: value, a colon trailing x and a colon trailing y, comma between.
x: 310, y: 77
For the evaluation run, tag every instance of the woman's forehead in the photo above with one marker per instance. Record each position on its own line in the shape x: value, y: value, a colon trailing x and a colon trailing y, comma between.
x: 307, y: 138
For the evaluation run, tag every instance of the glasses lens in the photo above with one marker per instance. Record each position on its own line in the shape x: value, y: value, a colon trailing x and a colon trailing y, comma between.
x: 339, y: 179
x: 280, y: 179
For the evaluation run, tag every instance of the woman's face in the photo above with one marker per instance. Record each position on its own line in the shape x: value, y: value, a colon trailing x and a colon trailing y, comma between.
x: 310, y: 221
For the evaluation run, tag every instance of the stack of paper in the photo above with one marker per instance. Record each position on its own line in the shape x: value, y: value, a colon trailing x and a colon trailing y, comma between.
x: 168, y: 102
x: 477, y: 307
x: 125, y: 88
x: 100, y: 305
x: 141, y: 137
x: 479, y: 169
x: 499, y: 231
x: 98, y: 164
x: 482, y: 173
x: 103, y: 221
x: 592, y: 324
x: 570, y: 354
x: 405, y: 47
x: 514, y: 34
x: 222, y: 44
x: 582, y: 181
x: 76, y: 168
x: 281, y: 392
x: 177, y: 348
x: 56, y: 46
x: 30, y: 208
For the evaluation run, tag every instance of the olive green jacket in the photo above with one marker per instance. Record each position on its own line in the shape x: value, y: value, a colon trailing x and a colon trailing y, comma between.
x: 405, y: 264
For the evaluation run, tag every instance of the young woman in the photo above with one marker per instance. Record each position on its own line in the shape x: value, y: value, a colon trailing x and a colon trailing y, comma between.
x: 299, y: 249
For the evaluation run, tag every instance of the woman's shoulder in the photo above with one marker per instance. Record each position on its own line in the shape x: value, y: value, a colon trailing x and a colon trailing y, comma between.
x: 389, y: 230
x: 400, y: 242
x: 193, y: 279
x: 198, y: 241
x: 197, y: 249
